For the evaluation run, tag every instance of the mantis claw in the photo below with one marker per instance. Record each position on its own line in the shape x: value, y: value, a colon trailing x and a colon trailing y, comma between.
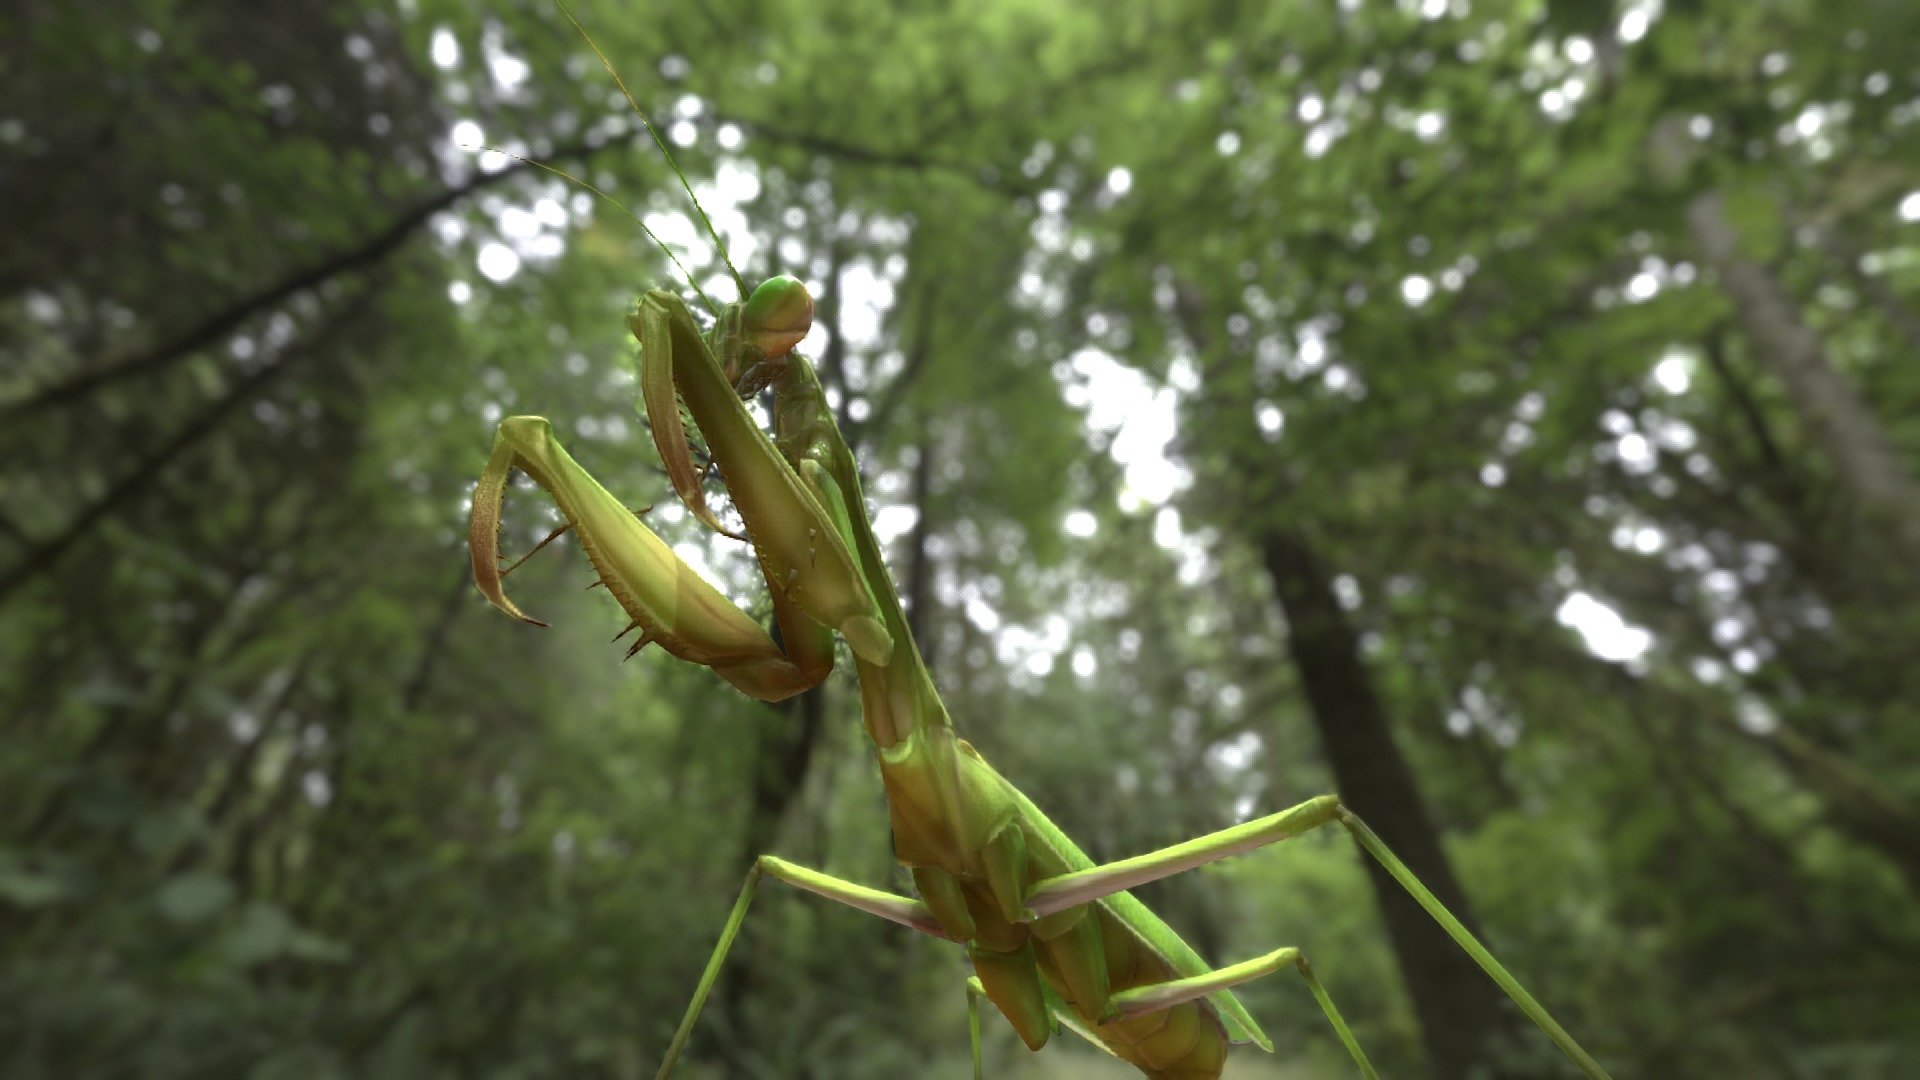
x: 483, y: 535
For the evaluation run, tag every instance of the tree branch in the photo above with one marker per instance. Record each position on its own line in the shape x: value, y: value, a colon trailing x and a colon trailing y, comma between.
x: 42, y: 556
x: 391, y: 238
x: 219, y: 324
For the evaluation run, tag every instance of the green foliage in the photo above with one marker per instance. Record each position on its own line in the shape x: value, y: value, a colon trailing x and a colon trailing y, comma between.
x: 283, y: 801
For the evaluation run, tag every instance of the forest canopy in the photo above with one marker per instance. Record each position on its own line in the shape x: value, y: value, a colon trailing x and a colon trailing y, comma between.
x: 1499, y: 412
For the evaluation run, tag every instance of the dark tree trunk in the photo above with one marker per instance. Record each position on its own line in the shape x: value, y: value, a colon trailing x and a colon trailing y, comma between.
x: 1854, y: 802
x: 1851, y: 435
x: 918, y: 585
x: 790, y: 731
x: 1462, y: 1013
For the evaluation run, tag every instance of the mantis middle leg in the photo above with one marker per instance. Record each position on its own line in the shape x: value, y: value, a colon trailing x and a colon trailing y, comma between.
x: 904, y: 910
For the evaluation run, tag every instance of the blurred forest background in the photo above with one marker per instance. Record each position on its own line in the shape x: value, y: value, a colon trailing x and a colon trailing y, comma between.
x: 1502, y: 412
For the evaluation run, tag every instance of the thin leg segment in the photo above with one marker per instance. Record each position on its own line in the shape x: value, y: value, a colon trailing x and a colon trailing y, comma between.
x: 1146, y: 999
x: 975, y: 992
x: 1465, y: 939
x: 1069, y: 890
x: 1058, y: 893
x: 894, y: 908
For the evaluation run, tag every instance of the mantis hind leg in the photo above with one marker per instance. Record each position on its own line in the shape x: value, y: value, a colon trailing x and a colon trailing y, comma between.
x: 974, y: 993
x: 900, y: 909
x: 1056, y: 894
x: 1151, y: 998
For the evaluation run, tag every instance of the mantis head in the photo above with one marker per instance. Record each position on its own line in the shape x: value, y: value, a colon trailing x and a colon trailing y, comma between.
x: 776, y: 316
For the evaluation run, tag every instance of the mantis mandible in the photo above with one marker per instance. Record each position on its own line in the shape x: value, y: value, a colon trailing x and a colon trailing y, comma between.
x: 1053, y: 939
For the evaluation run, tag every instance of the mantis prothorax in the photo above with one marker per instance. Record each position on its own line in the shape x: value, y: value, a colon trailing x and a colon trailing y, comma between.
x: 1053, y: 939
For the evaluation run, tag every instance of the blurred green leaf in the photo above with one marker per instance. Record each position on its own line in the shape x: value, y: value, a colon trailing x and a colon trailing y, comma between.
x: 194, y: 896
x: 27, y: 888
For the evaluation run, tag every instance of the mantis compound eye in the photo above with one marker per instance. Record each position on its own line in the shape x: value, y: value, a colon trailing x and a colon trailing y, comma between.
x: 777, y: 316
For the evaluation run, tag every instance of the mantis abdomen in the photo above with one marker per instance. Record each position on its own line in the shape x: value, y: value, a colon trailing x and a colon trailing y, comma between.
x: 967, y: 861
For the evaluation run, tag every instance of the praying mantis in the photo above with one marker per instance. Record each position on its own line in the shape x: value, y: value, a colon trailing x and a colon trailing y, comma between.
x: 1053, y: 939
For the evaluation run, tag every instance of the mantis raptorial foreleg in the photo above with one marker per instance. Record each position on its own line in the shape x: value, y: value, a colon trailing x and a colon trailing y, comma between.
x: 556, y: 534
x: 802, y: 551
x: 666, y: 600
x: 816, y: 586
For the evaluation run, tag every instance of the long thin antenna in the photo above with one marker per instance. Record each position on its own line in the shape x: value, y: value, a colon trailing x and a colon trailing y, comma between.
x: 719, y: 244
x: 650, y: 234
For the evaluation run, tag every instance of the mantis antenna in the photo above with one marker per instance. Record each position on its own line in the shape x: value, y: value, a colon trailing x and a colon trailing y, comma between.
x: 718, y: 244
x: 563, y: 174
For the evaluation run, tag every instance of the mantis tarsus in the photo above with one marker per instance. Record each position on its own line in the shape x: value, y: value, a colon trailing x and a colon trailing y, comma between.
x: 1053, y: 938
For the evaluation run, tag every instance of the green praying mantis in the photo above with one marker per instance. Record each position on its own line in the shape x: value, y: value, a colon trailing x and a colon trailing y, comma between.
x: 1053, y: 939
